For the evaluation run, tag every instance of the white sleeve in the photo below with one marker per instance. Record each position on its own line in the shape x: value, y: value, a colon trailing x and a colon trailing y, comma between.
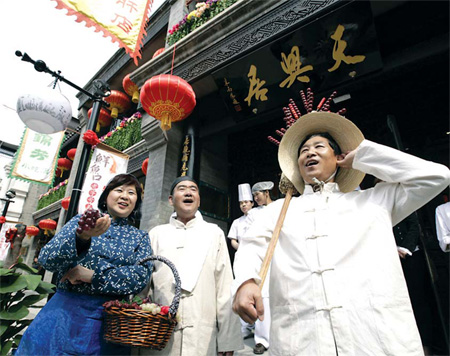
x: 443, y: 226
x: 411, y: 182
x: 233, y: 233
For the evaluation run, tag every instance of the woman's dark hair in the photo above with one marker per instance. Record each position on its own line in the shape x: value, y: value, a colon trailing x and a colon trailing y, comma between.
x: 118, y: 180
x: 332, y: 142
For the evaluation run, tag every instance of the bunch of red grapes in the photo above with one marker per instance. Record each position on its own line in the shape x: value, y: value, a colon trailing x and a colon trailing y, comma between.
x: 88, y: 220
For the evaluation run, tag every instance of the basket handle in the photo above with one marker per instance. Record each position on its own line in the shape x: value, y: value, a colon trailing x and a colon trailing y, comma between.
x: 176, y: 299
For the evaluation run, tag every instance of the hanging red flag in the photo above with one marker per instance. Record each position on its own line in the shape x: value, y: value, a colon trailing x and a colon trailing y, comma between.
x: 123, y: 20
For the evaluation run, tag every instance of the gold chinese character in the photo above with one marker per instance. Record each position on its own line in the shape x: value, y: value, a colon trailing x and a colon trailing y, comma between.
x: 293, y: 67
x: 226, y: 82
x: 339, y: 48
x: 185, y: 158
x: 186, y: 141
x: 255, y: 87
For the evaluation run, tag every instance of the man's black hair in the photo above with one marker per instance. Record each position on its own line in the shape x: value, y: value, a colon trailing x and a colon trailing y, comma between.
x: 331, y: 141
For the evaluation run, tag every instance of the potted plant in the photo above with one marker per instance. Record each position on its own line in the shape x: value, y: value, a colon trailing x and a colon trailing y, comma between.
x: 18, y: 292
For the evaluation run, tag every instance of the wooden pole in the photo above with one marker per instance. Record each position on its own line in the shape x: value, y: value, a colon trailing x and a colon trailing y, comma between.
x: 276, y: 233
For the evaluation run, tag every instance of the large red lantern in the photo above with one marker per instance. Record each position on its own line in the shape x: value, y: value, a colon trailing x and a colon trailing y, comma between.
x: 104, y: 119
x: 32, y: 230
x: 118, y: 102
x: 65, y: 203
x: 64, y: 164
x: 158, y: 52
x: 145, y: 166
x: 167, y: 98
x: 71, y: 153
x: 47, y: 224
x: 131, y: 88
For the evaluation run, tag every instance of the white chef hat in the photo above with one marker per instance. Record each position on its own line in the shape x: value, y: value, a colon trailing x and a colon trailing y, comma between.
x: 261, y: 186
x: 245, y: 192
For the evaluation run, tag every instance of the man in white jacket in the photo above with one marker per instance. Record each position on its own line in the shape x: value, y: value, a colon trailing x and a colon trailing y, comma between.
x: 199, y: 252
x: 336, y: 284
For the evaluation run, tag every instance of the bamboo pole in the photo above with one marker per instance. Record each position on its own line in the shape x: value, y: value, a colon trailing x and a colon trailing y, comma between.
x: 288, y: 189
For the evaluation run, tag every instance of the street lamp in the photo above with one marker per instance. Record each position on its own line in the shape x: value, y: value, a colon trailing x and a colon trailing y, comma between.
x: 10, y: 194
x: 101, y: 90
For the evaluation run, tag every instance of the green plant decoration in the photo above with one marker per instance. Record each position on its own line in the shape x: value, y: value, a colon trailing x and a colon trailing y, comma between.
x: 18, y: 292
x: 52, y: 196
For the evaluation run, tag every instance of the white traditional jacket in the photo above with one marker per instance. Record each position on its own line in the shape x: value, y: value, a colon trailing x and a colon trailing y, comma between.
x: 443, y: 226
x: 336, y: 284
x: 199, y: 252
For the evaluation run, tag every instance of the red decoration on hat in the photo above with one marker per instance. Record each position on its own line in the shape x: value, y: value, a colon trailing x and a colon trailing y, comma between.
x: 104, y: 119
x: 292, y: 113
x: 32, y: 230
x: 167, y: 98
x: 131, y: 88
x: 47, y: 224
x: 64, y: 164
x: 118, y: 103
x: 71, y: 153
x: 158, y: 52
x: 145, y: 166
x: 91, y: 138
x: 65, y: 203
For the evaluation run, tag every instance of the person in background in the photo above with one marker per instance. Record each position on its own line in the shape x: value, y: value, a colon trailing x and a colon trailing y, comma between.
x: 237, y: 231
x: 261, y: 195
x: 199, y: 252
x: 92, y: 266
x: 443, y: 226
x: 43, y: 239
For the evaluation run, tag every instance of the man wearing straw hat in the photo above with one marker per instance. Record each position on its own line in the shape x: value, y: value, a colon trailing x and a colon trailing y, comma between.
x: 336, y: 283
x: 199, y: 252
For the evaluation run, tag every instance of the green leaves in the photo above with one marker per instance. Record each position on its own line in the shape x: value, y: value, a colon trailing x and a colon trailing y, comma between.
x: 18, y: 292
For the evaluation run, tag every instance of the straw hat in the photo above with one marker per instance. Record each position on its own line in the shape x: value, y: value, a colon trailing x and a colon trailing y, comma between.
x: 344, y: 132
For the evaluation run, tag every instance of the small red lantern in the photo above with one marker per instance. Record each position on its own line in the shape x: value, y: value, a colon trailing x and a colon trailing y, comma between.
x: 158, y: 52
x: 167, y: 98
x: 32, y: 230
x: 131, y: 88
x: 118, y: 102
x: 145, y: 166
x: 58, y: 172
x: 71, y: 153
x: 104, y: 119
x: 65, y: 203
x: 64, y: 164
x: 47, y: 224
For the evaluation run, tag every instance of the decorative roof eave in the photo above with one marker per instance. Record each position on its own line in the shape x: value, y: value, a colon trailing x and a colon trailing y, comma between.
x: 220, y: 40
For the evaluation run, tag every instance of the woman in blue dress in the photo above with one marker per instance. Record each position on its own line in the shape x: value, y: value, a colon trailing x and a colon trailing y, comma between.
x: 92, y: 267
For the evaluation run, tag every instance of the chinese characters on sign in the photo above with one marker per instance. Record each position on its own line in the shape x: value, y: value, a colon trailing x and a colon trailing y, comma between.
x: 185, y: 157
x: 292, y: 65
x: 106, y: 162
x: 236, y: 103
x: 123, y: 20
x: 36, y: 157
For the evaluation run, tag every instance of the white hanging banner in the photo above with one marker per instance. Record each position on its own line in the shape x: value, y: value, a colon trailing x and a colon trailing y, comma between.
x: 106, y: 162
x: 36, y: 157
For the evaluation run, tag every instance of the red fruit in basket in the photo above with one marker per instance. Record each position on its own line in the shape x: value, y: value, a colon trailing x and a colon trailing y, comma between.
x: 164, y: 310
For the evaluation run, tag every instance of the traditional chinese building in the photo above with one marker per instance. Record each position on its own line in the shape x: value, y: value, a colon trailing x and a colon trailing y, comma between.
x: 387, y: 60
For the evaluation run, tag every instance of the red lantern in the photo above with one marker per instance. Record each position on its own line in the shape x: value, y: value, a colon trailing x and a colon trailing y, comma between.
x: 118, y: 102
x: 158, y: 52
x: 32, y: 230
x: 167, y: 98
x: 47, y: 224
x: 104, y: 119
x: 131, y: 88
x: 65, y: 203
x: 64, y: 164
x: 71, y: 153
x: 58, y: 172
x: 145, y: 166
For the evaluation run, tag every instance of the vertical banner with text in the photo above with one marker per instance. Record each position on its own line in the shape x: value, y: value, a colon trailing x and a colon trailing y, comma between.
x: 106, y: 162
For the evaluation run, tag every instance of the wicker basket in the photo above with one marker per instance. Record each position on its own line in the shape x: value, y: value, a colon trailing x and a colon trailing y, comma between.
x: 140, y: 328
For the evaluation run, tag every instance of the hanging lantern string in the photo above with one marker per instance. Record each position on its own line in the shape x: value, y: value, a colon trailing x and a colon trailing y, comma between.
x: 173, y: 58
